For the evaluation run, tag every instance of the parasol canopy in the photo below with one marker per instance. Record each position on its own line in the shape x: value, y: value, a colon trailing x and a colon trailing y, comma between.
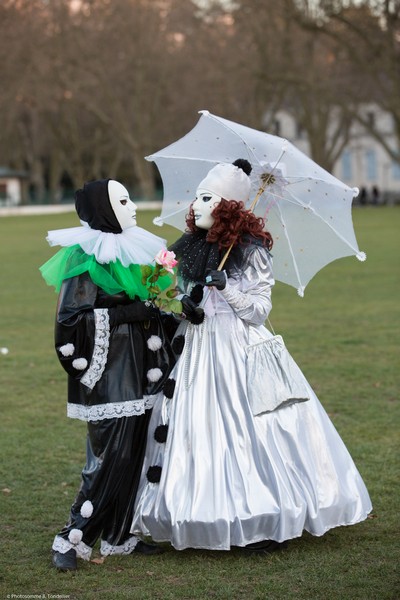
x: 306, y: 209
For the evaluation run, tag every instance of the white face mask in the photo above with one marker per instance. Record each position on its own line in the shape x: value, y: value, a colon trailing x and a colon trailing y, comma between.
x: 203, y: 206
x: 123, y: 207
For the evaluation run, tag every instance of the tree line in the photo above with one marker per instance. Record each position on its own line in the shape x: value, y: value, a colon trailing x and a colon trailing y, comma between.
x: 90, y: 87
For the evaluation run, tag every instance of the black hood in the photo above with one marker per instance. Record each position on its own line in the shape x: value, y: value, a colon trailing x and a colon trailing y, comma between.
x: 93, y: 206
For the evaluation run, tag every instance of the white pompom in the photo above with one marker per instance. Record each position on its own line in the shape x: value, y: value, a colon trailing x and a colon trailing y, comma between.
x: 154, y: 343
x: 75, y: 536
x: 87, y: 509
x: 154, y: 375
x: 158, y: 221
x: 361, y: 256
x: 79, y: 364
x: 67, y: 349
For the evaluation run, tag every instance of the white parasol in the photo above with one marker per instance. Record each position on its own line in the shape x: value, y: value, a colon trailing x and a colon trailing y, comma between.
x: 306, y: 209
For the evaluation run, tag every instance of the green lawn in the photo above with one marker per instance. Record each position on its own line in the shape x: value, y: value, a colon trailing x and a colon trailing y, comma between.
x: 344, y: 334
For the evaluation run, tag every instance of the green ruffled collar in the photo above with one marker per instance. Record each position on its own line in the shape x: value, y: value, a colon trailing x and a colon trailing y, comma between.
x: 112, y: 277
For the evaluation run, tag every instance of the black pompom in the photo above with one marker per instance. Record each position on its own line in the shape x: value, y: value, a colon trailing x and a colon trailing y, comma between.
x: 169, y: 388
x: 160, y: 433
x: 197, y: 293
x: 243, y: 164
x: 197, y: 316
x: 154, y: 474
x: 178, y: 344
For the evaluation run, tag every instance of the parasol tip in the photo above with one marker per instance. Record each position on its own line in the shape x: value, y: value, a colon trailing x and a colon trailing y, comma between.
x: 361, y: 256
x: 204, y: 112
x: 300, y: 291
x: 355, y: 191
x: 285, y: 146
x: 158, y: 221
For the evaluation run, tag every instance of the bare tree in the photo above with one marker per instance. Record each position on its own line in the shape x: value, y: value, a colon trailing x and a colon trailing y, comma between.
x: 23, y: 100
x: 90, y: 88
x: 294, y: 69
x: 366, y: 35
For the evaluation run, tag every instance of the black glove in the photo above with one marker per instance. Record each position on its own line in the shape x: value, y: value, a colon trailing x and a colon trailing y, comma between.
x: 134, y: 312
x: 216, y: 279
x: 193, y: 313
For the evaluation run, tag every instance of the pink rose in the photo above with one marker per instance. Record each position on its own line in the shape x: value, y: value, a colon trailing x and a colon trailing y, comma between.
x: 166, y: 259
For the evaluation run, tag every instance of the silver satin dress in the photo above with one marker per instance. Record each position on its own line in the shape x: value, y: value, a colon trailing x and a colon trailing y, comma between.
x: 230, y: 478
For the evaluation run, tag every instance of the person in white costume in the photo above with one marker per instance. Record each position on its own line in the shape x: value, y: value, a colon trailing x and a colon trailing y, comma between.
x: 215, y: 475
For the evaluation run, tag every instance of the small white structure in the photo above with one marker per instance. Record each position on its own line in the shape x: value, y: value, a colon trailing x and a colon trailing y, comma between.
x: 364, y: 163
x: 12, y: 186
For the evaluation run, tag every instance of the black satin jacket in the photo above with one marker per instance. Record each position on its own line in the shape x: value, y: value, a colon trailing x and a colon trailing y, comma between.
x: 116, y: 359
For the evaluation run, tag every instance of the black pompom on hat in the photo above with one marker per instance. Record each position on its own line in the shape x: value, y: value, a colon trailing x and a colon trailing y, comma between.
x: 243, y: 164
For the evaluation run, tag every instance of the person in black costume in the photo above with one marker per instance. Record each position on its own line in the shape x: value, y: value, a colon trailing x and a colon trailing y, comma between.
x: 111, y: 341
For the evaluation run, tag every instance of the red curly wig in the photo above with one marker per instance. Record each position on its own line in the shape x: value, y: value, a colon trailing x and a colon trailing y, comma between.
x: 233, y: 223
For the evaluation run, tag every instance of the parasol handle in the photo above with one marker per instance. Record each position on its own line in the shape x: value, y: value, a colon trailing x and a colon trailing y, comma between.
x: 251, y: 209
x: 224, y: 258
x: 261, y: 190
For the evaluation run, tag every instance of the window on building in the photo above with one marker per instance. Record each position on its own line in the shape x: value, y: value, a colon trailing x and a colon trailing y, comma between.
x: 396, y: 170
x: 3, y: 191
x: 370, y: 157
x: 346, y: 165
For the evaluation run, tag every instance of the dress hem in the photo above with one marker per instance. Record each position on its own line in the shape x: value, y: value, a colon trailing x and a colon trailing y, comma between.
x: 255, y: 540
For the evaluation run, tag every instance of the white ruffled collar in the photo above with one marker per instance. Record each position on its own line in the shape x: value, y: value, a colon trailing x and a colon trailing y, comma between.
x: 133, y: 246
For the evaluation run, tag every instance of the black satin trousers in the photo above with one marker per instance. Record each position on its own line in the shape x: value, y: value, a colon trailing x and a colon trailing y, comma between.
x: 114, y: 457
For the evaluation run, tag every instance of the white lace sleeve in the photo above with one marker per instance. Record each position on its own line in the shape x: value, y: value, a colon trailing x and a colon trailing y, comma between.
x: 250, y: 296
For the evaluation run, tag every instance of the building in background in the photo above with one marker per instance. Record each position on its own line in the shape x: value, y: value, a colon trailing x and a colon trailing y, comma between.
x: 364, y: 162
x: 13, y: 187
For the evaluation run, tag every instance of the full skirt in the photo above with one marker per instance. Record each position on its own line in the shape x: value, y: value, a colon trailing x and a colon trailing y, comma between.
x: 229, y: 478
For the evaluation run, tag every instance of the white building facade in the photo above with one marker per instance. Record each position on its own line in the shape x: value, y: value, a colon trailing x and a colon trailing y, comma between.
x: 12, y: 186
x: 364, y: 163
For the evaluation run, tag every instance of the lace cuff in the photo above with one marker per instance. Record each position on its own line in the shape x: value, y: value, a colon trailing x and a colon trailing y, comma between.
x: 62, y: 545
x: 127, y: 547
x: 100, y: 352
x: 111, y: 410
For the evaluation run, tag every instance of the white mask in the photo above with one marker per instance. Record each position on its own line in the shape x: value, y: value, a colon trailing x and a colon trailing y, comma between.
x: 203, y: 206
x: 123, y: 207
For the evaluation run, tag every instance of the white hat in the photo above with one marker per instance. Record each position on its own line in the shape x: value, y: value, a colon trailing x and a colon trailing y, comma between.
x: 228, y: 181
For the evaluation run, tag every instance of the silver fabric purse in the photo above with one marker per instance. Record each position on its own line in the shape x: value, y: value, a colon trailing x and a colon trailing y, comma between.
x: 273, y: 378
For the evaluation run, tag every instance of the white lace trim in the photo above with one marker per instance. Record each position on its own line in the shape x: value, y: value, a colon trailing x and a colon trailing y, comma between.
x: 149, y: 401
x: 62, y: 545
x: 127, y: 547
x: 100, y: 352
x: 111, y: 410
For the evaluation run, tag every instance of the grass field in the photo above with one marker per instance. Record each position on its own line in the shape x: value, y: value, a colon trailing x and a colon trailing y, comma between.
x: 344, y: 334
